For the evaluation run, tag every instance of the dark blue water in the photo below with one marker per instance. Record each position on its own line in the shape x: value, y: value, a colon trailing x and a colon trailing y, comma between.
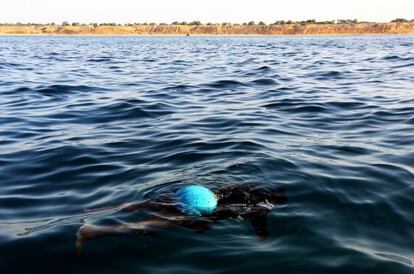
x: 90, y: 122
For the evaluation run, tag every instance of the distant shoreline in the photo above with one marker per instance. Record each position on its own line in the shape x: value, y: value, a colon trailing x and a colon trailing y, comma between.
x: 211, y: 30
x: 204, y: 35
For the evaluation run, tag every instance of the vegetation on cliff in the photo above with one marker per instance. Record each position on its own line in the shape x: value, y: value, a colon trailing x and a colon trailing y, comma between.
x: 308, y: 27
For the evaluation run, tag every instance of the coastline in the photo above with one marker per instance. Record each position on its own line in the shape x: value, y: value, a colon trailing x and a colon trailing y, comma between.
x: 212, y: 30
x: 202, y: 35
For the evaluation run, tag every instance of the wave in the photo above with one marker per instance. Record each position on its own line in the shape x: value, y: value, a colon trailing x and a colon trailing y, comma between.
x: 87, y: 126
x: 225, y: 84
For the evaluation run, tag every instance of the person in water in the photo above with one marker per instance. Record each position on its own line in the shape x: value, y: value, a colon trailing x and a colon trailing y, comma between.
x: 196, y: 208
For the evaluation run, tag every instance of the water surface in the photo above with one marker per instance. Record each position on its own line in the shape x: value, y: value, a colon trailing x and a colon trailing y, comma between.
x: 88, y: 122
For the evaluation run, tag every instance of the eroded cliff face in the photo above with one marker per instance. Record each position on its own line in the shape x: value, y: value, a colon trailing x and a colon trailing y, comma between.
x: 290, y: 29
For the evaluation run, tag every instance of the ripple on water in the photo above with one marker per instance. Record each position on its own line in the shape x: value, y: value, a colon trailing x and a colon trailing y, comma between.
x: 100, y: 121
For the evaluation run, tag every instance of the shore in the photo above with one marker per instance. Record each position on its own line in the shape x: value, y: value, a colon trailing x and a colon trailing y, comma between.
x: 287, y: 29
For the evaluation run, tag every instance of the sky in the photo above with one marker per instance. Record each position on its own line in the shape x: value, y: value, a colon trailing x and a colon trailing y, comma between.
x: 167, y: 11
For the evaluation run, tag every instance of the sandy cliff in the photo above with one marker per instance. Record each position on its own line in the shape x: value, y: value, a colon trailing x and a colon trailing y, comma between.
x: 288, y: 29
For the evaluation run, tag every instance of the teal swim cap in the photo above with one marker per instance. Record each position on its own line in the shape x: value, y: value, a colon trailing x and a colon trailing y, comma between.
x: 196, y: 200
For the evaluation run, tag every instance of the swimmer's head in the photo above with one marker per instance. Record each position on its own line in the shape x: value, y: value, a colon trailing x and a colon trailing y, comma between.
x: 196, y: 200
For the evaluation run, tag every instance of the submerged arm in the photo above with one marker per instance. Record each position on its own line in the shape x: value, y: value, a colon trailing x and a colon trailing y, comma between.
x: 259, y: 224
x: 145, y: 226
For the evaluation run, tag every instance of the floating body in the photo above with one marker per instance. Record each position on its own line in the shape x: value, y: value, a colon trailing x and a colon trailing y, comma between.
x: 197, y: 208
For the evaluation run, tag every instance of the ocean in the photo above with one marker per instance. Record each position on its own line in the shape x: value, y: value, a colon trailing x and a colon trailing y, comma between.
x: 89, y: 122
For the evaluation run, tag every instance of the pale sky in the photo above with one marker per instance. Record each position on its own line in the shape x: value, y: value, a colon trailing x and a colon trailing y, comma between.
x: 235, y: 11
